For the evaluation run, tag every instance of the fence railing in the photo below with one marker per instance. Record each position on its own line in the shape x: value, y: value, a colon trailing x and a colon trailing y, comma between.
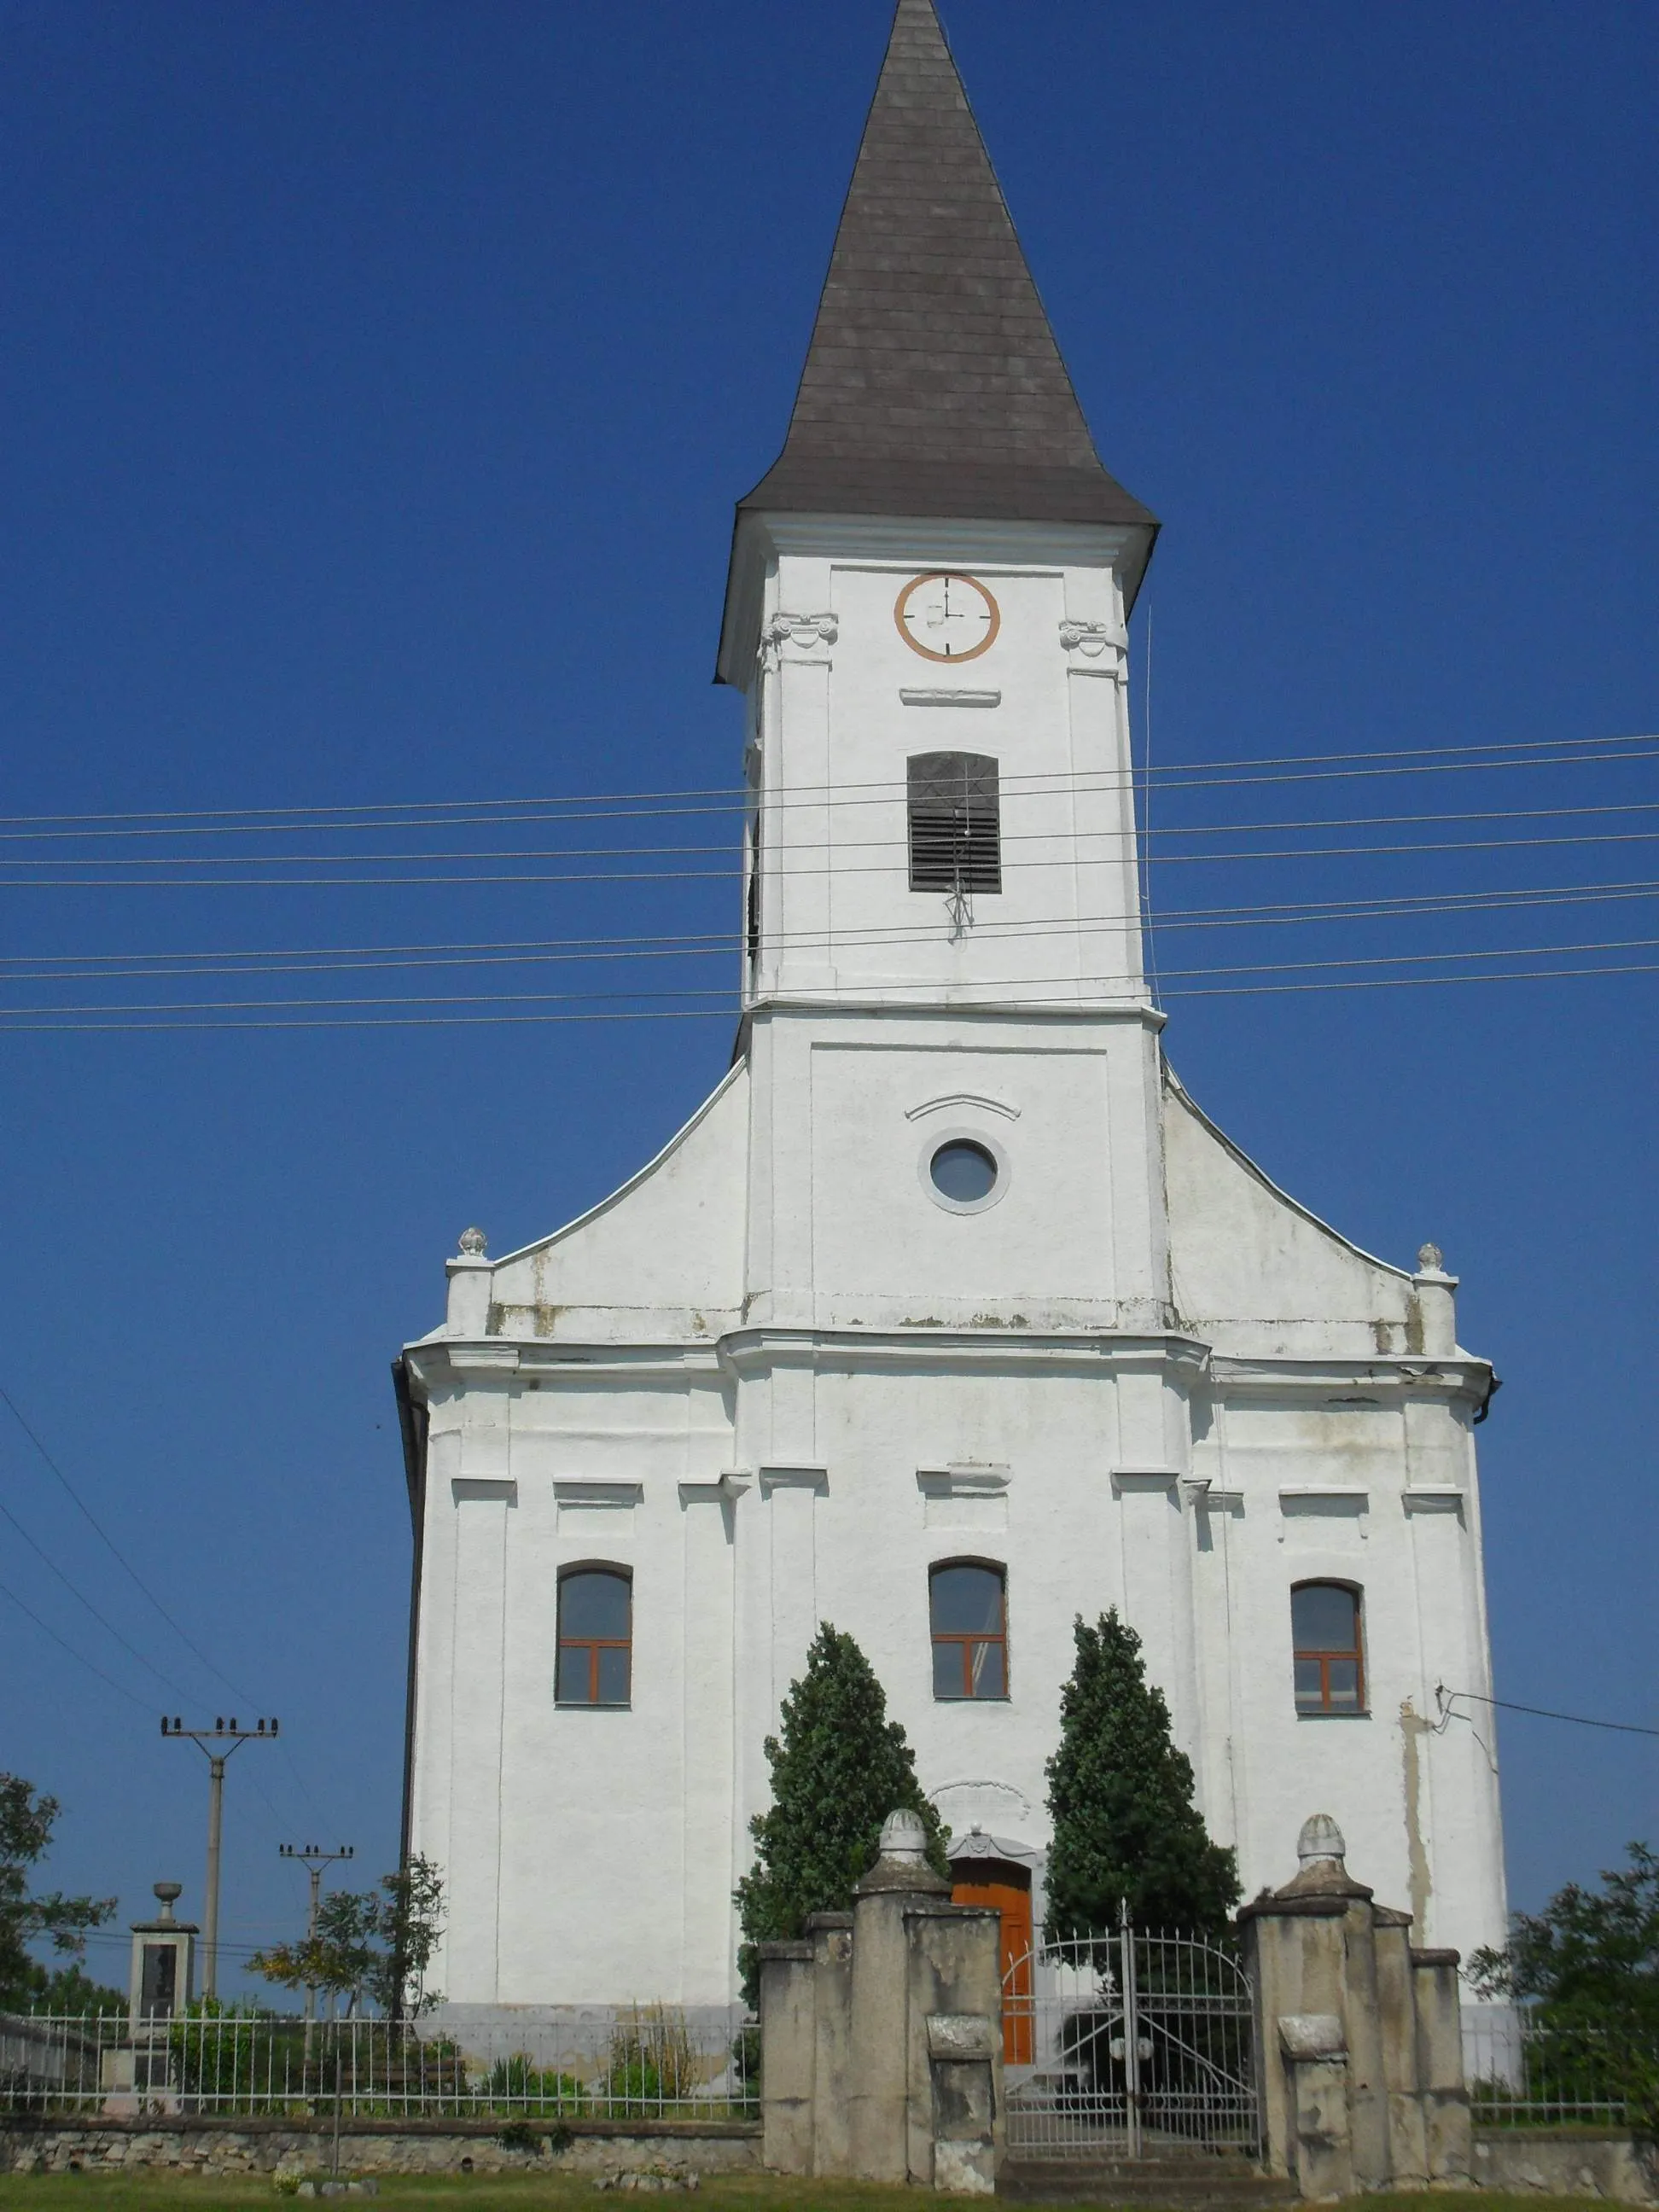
x: 1525, y: 2072
x: 645, y: 2062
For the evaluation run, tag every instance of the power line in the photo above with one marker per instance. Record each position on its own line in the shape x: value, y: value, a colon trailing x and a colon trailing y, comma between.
x: 1062, y: 835
x: 1544, y: 1713
x: 119, y: 1688
x: 733, y: 1008
x: 128, y: 1569
x: 55, y: 966
x: 81, y: 1599
x: 23, y: 1016
x: 569, y: 877
x: 1572, y: 749
x: 114, y: 1551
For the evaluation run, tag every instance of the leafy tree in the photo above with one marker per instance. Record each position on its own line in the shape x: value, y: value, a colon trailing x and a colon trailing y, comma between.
x: 1120, y: 1799
x: 67, y: 1990
x: 26, y: 1824
x: 377, y: 1942
x: 1590, y: 1958
x: 839, y: 1767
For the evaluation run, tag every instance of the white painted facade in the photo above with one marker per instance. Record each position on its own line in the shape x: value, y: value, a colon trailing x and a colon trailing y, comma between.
x: 776, y: 1377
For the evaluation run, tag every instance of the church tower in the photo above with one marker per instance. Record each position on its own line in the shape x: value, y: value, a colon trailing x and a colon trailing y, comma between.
x: 927, y: 611
x: 948, y: 1318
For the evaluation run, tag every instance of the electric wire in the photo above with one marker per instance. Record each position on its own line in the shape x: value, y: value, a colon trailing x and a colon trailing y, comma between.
x: 733, y: 1007
x: 46, y: 1629
x: 1124, y: 833
x: 21, y: 1016
x: 81, y: 1599
x: 1544, y: 1713
x: 114, y: 1550
x: 311, y: 959
x: 131, y: 1572
x: 788, y: 874
x: 1592, y: 748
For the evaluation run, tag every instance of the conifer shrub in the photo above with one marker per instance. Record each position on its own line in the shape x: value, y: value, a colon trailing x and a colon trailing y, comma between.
x: 839, y: 1767
x: 1121, y: 1800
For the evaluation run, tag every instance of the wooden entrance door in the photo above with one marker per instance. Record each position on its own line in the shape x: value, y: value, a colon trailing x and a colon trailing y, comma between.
x: 1008, y: 1888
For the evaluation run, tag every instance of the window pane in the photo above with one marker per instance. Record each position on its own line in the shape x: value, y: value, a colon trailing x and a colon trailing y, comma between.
x: 1308, y: 1690
x: 987, y: 1671
x: 1324, y: 1617
x: 967, y: 1600
x: 613, y: 1674
x: 1343, y: 1675
x: 593, y: 1605
x: 571, y: 1684
x: 947, y: 1670
x: 963, y: 1171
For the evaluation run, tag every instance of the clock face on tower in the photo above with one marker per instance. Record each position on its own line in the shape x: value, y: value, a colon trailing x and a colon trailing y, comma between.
x: 945, y: 617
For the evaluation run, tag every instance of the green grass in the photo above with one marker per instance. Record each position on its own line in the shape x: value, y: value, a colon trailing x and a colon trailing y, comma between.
x: 168, y: 2192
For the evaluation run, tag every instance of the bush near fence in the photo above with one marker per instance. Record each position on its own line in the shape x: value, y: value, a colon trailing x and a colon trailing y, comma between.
x: 1525, y: 2071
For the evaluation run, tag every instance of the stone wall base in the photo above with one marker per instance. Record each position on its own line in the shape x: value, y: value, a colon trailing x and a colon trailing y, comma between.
x: 1566, y: 2162
x: 298, y: 2148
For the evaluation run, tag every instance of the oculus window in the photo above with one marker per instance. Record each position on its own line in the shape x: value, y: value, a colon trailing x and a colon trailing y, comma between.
x: 968, y: 1612
x: 1329, y: 1661
x: 963, y: 1172
x: 596, y: 1637
x: 956, y: 834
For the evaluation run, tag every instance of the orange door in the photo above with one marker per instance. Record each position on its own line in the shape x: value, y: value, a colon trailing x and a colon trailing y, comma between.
x: 1008, y: 1888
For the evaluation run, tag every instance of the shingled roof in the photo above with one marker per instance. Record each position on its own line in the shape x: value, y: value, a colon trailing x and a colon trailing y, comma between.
x: 933, y: 384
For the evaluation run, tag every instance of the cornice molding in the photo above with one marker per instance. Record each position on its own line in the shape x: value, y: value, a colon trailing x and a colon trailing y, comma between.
x: 764, y: 1346
x: 1325, y: 1375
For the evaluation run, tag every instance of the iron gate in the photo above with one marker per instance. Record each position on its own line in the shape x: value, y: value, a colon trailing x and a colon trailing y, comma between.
x: 1128, y: 2045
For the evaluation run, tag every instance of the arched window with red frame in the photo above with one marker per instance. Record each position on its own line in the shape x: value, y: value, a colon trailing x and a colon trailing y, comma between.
x: 968, y: 1609
x: 1329, y: 1657
x: 596, y: 1637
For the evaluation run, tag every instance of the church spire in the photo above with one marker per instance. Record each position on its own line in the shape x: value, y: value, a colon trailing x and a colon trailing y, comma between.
x: 933, y: 384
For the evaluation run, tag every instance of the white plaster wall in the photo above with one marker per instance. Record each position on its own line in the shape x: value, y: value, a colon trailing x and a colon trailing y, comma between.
x: 843, y: 1228
x: 1251, y: 1269
x: 662, y: 1255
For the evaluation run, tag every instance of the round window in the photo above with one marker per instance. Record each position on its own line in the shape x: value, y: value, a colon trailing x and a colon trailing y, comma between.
x: 963, y: 1172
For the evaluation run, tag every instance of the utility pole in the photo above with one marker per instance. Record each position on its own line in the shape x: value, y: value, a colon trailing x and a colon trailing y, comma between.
x: 313, y: 1862
x: 220, y: 1733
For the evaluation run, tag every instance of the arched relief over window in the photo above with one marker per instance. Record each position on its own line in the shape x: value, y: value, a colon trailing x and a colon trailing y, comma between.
x: 596, y: 1636
x: 1326, y: 1640
x: 956, y: 834
x: 968, y: 1610
x: 950, y: 1100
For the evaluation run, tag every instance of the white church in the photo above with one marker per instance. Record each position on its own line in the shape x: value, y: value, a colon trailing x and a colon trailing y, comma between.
x: 949, y: 1315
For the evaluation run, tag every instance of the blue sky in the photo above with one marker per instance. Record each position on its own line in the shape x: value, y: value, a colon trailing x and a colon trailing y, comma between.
x: 378, y: 380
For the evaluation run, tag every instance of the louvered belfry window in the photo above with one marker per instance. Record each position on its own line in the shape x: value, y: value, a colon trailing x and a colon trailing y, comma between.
x: 955, y: 839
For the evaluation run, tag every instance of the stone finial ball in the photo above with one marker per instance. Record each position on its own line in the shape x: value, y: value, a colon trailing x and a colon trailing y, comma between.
x: 474, y: 1243
x: 903, y: 1837
x: 1430, y: 1258
x: 1321, y: 1838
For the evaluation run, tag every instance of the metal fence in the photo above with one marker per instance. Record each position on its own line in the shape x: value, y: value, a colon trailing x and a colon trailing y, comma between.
x: 645, y: 2062
x: 1525, y: 2072
x: 1127, y: 2045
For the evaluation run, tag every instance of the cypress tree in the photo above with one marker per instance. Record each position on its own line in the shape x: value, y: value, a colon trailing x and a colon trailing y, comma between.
x: 839, y: 1767
x: 1120, y: 1799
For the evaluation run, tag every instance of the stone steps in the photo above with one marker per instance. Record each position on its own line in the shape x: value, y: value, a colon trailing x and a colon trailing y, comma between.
x: 1224, y: 2183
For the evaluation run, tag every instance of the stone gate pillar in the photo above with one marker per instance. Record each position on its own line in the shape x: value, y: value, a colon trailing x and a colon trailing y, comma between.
x: 881, y: 2033
x: 1358, y: 2047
